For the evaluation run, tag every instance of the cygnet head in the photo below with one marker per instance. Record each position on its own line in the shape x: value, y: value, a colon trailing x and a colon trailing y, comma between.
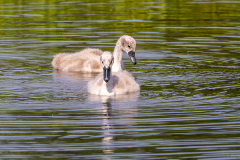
x: 106, y: 59
x: 128, y: 45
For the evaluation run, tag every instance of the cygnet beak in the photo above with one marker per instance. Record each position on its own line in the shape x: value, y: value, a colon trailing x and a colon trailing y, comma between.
x: 106, y: 73
x: 132, y: 57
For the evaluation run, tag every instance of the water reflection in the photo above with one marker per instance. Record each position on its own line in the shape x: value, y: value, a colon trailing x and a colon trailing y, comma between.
x: 115, y: 110
x: 71, y: 85
x: 124, y: 106
x: 107, y: 126
x: 74, y: 76
x: 130, y: 97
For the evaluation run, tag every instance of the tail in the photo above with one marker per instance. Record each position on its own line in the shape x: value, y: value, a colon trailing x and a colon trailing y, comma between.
x: 57, y: 60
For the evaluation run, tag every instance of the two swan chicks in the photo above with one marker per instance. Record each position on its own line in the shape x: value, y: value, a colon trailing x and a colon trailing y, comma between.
x: 87, y: 60
x: 112, y: 83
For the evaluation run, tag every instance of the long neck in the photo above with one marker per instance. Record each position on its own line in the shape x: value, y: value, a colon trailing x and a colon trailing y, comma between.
x: 117, y: 54
x: 107, y: 88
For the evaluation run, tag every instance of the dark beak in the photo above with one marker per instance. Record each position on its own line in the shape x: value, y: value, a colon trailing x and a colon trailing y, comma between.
x: 106, y: 74
x: 132, y: 56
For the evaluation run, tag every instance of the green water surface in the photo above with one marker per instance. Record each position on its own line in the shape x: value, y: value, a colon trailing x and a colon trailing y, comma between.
x: 188, y: 56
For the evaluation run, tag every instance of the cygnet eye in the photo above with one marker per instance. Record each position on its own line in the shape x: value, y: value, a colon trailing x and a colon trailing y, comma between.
x: 128, y: 46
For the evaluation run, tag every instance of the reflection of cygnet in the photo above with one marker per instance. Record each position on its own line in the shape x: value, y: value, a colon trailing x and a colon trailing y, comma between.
x: 107, y: 83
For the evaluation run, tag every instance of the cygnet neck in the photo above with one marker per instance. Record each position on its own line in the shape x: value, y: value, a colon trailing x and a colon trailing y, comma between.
x: 117, y: 54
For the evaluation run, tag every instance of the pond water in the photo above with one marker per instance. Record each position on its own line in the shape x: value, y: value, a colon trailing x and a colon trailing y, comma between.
x: 188, y: 67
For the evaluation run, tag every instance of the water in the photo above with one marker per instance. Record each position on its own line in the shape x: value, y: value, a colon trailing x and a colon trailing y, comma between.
x: 188, y: 70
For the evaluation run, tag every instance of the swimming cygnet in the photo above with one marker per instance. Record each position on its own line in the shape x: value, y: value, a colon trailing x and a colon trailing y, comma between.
x: 87, y: 60
x: 112, y: 83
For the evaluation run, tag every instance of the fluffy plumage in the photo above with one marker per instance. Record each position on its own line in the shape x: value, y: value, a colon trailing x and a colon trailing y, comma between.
x: 87, y: 60
x: 120, y: 82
